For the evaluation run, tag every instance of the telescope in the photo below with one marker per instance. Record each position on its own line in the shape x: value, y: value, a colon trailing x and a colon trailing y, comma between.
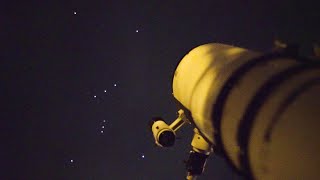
x: 260, y: 111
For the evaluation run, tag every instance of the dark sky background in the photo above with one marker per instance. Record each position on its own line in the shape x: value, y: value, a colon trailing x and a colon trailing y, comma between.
x: 81, y: 79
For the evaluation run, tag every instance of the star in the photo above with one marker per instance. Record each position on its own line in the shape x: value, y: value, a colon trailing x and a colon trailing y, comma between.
x: 101, y: 132
x: 94, y: 96
x: 104, y: 120
x: 71, y: 160
x: 74, y: 12
x: 102, y: 127
x: 137, y: 30
x: 115, y: 85
x: 105, y: 91
x: 142, y: 156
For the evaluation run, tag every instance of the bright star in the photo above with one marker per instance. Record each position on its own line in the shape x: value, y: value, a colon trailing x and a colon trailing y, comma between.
x: 94, y: 96
x: 102, y: 127
x: 115, y: 85
x: 105, y: 91
x: 71, y: 160
x: 142, y: 156
x: 74, y: 12
x: 101, y: 132
x: 137, y: 30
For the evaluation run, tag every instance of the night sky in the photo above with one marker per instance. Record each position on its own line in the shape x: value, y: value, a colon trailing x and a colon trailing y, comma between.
x: 80, y: 80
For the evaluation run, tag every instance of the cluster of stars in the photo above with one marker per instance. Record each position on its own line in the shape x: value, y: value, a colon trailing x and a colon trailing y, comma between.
x: 98, y: 98
x: 105, y: 91
x: 103, y: 126
x: 104, y: 121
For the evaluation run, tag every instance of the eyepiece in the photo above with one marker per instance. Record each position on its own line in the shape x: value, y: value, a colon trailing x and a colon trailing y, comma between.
x: 167, y: 138
x: 163, y: 135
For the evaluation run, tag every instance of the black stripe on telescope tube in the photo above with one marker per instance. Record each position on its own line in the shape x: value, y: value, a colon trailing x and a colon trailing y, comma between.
x: 284, y: 105
x: 248, y: 118
x: 226, y: 89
